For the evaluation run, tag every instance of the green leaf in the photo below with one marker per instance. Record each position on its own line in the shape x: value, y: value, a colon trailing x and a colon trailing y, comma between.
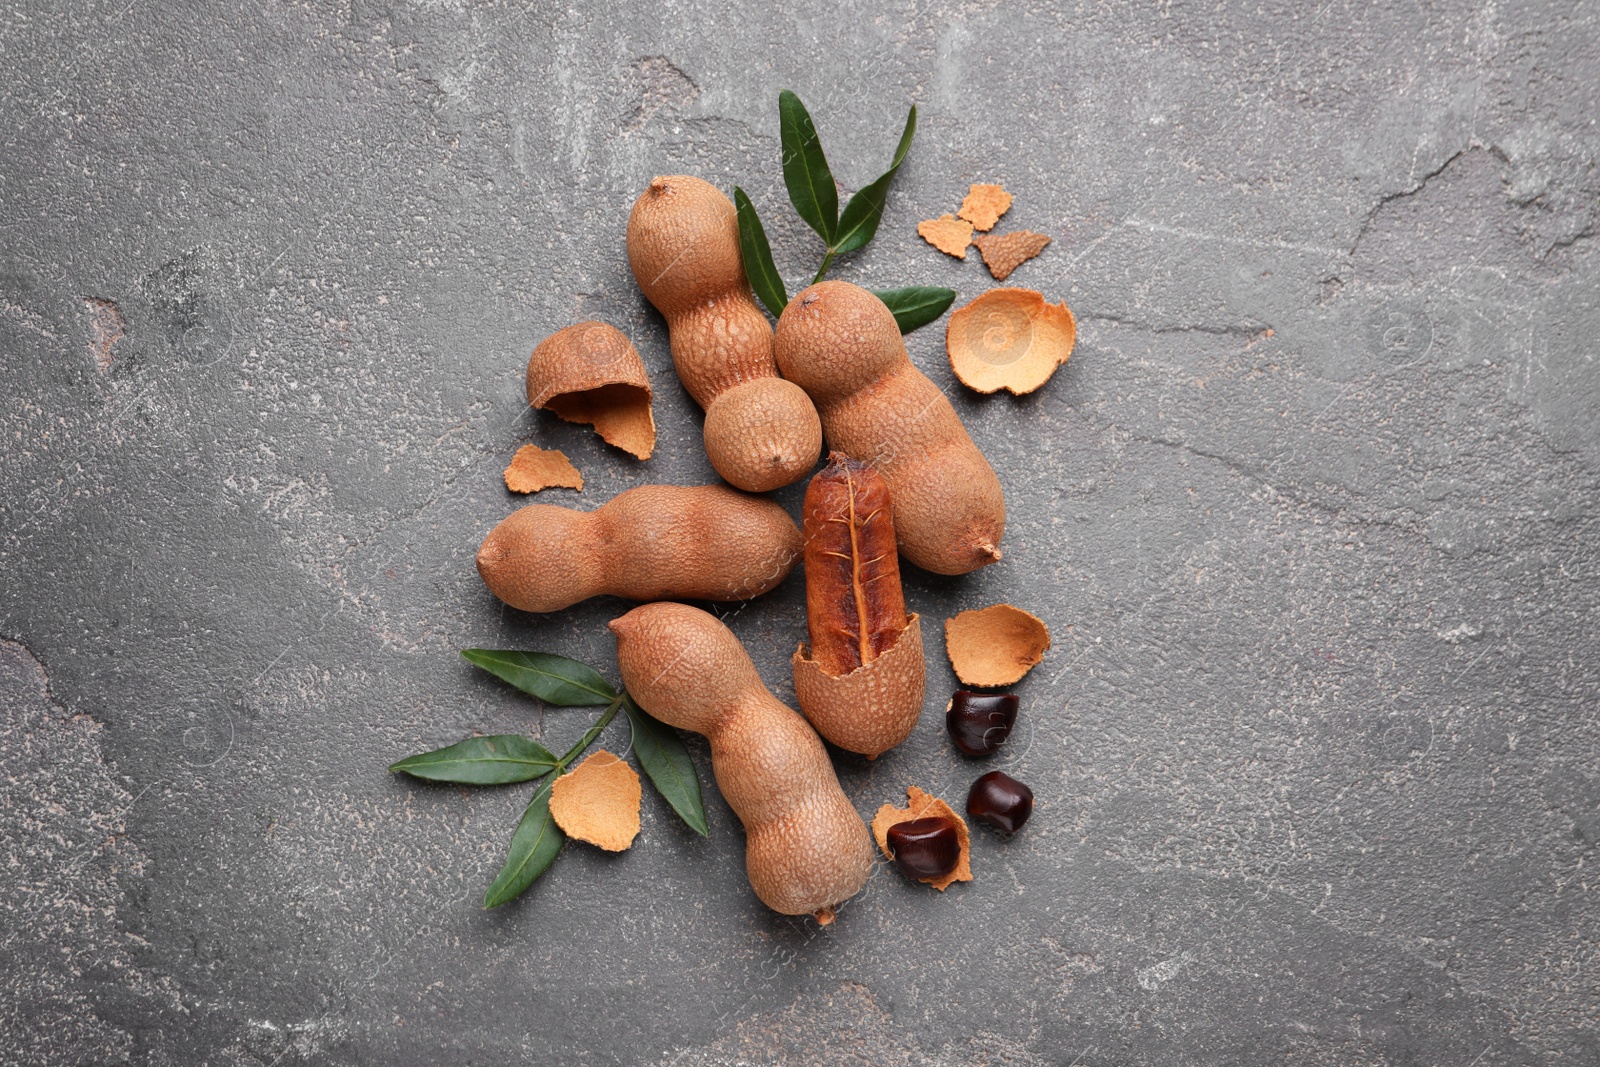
x: 757, y: 255
x: 805, y: 168
x: 859, y: 222
x: 533, y: 849
x: 497, y: 760
x: 916, y: 305
x: 554, y: 679
x: 666, y: 762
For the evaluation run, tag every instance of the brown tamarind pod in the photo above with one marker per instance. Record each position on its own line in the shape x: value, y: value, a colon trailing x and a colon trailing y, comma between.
x: 652, y: 542
x: 841, y: 345
x: 806, y: 847
x: 862, y: 681
x: 854, y: 605
x: 761, y: 432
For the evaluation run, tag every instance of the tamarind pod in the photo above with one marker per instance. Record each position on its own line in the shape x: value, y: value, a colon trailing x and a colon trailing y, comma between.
x: 651, y: 542
x: 807, y: 849
x: 761, y: 432
x: 855, y: 608
x: 841, y: 345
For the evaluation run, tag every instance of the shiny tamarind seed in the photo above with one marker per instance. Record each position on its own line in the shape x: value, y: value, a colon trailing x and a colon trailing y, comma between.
x: 925, y: 848
x: 979, y: 723
x: 1001, y: 801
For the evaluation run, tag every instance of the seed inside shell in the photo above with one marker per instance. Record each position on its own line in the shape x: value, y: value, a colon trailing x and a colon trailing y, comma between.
x: 922, y: 805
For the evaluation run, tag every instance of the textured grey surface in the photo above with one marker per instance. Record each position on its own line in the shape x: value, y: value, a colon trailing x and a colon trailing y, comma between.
x: 1311, y: 513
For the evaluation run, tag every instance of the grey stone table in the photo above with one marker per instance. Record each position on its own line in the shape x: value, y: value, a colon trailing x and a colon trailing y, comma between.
x: 1311, y: 514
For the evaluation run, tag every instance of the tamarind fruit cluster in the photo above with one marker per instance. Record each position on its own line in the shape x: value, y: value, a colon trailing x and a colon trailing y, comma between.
x: 904, y: 479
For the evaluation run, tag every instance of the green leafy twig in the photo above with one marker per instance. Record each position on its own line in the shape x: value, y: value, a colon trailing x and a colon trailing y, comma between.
x: 499, y: 760
x: 812, y: 190
x: 815, y: 196
x: 509, y: 758
x: 660, y: 752
x: 553, y: 679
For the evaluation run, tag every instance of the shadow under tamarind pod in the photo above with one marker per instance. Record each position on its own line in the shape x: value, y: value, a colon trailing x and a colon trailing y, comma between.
x: 652, y: 542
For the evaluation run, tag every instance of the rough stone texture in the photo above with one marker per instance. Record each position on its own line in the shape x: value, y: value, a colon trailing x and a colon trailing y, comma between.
x: 68, y: 865
x: 1311, y: 514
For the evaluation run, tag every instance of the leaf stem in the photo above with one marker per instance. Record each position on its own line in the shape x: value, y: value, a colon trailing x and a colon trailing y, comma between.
x: 588, y: 739
x: 578, y: 749
x: 827, y: 261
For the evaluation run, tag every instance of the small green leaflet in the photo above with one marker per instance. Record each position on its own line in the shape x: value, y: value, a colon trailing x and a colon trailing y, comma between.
x: 661, y: 753
x: 916, y: 305
x: 859, y: 222
x: 498, y: 760
x: 805, y: 168
x: 553, y: 679
x: 757, y: 256
x: 533, y: 849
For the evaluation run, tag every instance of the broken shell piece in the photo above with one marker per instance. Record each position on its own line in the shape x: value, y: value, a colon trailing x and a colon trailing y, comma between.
x: 996, y: 645
x: 984, y: 205
x: 534, y: 468
x: 1009, y: 339
x: 591, y: 373
x: 922, y: 806
x: 874, y: 707
x: 948, y: 234
x: 598, y: 802
x: 1005, y: 252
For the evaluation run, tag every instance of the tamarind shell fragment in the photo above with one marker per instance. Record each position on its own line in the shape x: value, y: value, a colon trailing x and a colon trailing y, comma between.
x: 591, y: 373
x: 874, y: 707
